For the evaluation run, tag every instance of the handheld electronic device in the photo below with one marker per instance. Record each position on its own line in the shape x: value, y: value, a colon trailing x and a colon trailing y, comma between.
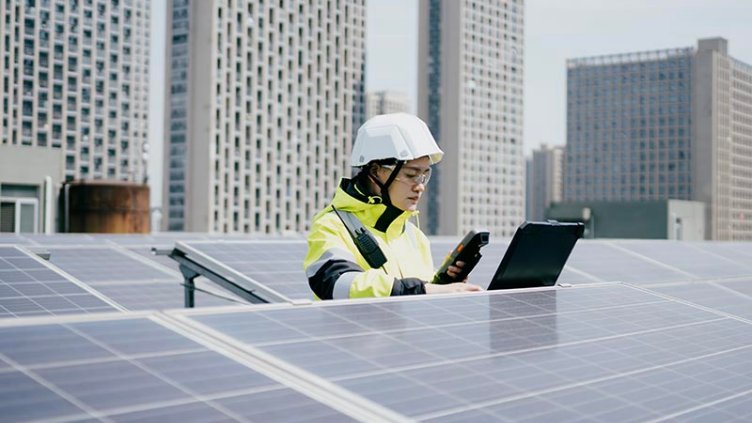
x: 536, y: 255
x: 467, y: 251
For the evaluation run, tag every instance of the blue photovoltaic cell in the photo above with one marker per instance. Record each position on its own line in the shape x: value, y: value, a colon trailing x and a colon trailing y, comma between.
x: 135, y: 370
x: 609, y: 353
x: 29, y: 288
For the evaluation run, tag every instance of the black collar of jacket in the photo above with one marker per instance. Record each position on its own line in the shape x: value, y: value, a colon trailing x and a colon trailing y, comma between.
x: 354, y: 187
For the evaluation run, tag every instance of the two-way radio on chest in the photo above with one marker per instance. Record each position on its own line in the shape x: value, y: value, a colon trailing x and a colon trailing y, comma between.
x: 364, y: 240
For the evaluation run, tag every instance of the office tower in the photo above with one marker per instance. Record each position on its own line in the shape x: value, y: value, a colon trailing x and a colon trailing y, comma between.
x: 75, y: 77
x: 261, y: 119
x: 544, y: 179
x: 470, y: 85
x: 383, y: 102
x: 668, y: 124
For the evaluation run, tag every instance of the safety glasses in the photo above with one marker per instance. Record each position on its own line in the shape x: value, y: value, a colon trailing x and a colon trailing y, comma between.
x: 411, y: 175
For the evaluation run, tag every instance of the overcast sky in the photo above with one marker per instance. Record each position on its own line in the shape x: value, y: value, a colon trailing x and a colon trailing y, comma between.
x: 555, y: 30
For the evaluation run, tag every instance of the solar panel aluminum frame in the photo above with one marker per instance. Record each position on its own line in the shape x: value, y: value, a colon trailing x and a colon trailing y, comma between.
x: 194, y: 263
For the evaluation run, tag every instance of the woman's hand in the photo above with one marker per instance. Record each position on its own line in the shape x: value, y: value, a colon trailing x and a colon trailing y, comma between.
x: 432, y: 288
x: 454, y: 271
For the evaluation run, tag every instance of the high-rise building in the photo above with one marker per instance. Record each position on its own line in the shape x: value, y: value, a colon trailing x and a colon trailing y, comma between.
x: 668, y: 124
x: 75, y: 78
x: 470, y: 86
x: 383, y: 102
x: 545, y: 174
x: 263, y: 103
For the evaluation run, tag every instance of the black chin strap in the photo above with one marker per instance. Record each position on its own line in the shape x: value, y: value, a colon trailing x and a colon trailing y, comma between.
x: 385, y: 186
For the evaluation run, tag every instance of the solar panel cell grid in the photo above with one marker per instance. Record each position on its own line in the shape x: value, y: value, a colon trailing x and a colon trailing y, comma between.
x: 102, y: 265
x: 506, y: 361
x: 134, y: 369
x: 28, y: 287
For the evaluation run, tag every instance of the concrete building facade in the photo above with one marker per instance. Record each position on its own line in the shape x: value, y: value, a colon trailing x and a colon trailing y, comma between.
x: 263, y: 103
x: 29, y: 181
x: 544, y: 180
x: 678, y: 220
x: 383, y: 102
x: 668, y: 124
x: 470, y: 90
x: 75, y: 78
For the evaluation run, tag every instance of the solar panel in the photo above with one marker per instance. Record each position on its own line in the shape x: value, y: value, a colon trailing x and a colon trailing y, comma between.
x: 274, y: 269
x: 702, y: 263
x: 738, y: 252
x: 607, y: 352
x: 162, y: 260
x: 134, y: 370
x: 101, y: 265
x: 604, y: 261
x: 65, y: 239
x: 28, y: 287
x: 734, y: 298
x: 164, y: 295
x: 131, y: 280
x: 13, y: 239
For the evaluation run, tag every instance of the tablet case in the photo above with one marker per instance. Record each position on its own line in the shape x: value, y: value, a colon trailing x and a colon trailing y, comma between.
x: 536, y: 255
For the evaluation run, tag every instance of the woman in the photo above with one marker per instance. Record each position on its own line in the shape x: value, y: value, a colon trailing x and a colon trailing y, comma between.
x: 394, y: 154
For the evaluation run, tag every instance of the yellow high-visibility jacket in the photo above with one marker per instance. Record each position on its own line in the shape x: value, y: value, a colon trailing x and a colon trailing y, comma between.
x: 336, y: 269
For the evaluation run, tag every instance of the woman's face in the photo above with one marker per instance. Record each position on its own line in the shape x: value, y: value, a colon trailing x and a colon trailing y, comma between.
x: 409, y: 185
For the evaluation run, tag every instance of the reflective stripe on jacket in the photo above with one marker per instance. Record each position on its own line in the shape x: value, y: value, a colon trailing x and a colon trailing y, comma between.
x: 336, y: 269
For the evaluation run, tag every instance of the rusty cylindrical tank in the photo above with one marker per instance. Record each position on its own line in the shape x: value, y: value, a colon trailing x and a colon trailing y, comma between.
x: 104, y: 207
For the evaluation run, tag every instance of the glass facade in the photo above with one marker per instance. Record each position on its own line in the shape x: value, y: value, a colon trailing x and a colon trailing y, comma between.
x: 629, y: 128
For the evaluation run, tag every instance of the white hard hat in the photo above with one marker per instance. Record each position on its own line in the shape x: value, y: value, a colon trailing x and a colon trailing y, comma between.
x: 398, y: 136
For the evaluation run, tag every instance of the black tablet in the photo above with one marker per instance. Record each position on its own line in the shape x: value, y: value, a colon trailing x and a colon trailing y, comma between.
x: 536, y: 255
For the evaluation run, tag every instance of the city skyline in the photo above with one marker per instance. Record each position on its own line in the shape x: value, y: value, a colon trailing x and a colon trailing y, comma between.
x: 554, y: 32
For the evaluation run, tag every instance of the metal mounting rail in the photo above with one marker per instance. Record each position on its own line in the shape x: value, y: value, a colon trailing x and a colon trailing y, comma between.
x: 190, y: 270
